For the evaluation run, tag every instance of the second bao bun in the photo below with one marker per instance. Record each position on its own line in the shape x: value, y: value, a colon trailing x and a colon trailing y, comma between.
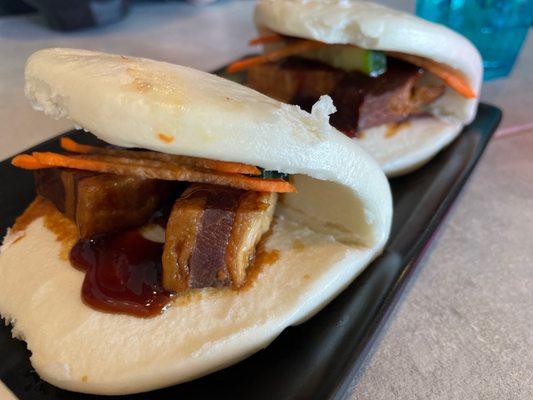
x: 376, y: 27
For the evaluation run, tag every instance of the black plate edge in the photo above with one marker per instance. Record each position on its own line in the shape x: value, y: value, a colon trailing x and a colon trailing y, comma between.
x: 358, y: 358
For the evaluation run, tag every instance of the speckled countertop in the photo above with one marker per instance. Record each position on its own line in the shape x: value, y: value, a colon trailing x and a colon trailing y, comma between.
x: 464, y: 327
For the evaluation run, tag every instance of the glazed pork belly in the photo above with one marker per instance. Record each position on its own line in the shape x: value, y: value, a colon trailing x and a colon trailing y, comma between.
x: 101, y: 203
x: 295, y: 80
x: 211, y: 236
x: 211, y: 232
x: 362, y: 101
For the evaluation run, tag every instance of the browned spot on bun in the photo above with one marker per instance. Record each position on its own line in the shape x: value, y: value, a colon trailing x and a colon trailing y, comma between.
x: 298, y: 245
x: 165, y: 138
x: 141, y: 85
x: 63, y: 228
x: 84, y: 378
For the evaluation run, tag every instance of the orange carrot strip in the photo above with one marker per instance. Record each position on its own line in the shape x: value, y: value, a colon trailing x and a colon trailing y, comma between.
x: 296, y: 47
x: 222, y: 166
x: 75, y: 147
x: 451, y: 77
x: 265, y: 39
x: 151, y: 169
x: 26, y: 161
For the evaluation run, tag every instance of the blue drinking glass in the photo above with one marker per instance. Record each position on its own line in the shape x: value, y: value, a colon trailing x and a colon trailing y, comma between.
x: 497, y: 27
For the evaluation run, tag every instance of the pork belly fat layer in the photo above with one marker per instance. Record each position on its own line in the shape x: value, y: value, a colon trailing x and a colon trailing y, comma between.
x: 101, y: 203
x: 211, y: 236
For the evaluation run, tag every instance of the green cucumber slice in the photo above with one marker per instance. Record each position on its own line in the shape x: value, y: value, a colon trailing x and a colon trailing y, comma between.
x: 350, y: 58
x: 266, y: 174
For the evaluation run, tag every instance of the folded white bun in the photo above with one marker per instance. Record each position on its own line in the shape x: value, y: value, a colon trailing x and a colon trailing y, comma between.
x: 325, y: 234
x: 376, y: 27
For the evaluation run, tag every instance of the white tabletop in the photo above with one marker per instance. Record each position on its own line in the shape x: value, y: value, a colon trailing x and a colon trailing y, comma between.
x: 464, y: 327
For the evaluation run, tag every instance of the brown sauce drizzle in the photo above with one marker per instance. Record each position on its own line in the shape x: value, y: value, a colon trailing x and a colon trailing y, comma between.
x: 38, y: 208
x: 298, y: 245
x: 122, y: 270
x: 63, y: 228
x: 262, y: 259
x: 122, y: 273
x: 394, y: 127
x: 267, y: 257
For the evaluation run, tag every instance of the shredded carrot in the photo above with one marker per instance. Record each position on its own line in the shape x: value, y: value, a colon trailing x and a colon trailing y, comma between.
x: 454, y: 79
x: 265, y: 39
x: 296, y: 47
x: 222, y: 166
x: 26, y: 161
x: 75, y: 147
x: 152, y: 169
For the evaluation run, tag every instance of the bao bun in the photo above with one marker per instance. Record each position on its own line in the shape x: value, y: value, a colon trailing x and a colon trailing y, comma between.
x: 376, y: 27
x: 340, y: 218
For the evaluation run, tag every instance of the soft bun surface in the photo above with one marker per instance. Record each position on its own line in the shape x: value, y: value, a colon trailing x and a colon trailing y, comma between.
x: 325, y: 234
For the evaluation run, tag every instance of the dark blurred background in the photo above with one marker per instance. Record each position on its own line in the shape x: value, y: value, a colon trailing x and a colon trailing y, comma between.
x: 10, y: 7
x: 70, y: 15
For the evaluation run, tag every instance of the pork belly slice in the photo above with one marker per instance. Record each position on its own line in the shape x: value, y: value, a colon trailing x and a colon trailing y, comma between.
x: 101, y: 203
x: 295, y: 80
x: 212, y: 234
x: 362, y: 101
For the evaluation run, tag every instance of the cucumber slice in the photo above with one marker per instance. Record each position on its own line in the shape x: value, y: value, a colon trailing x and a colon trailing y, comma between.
x: 350, y: 58
x: 266, y: 174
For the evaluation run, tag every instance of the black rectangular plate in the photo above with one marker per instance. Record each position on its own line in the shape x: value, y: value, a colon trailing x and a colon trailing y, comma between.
x: 315, y: 360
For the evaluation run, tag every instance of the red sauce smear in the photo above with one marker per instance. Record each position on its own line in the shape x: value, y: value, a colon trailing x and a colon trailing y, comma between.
x: 123, y: 273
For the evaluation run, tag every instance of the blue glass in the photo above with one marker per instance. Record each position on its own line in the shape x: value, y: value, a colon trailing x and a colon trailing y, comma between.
x: 497, y: 27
